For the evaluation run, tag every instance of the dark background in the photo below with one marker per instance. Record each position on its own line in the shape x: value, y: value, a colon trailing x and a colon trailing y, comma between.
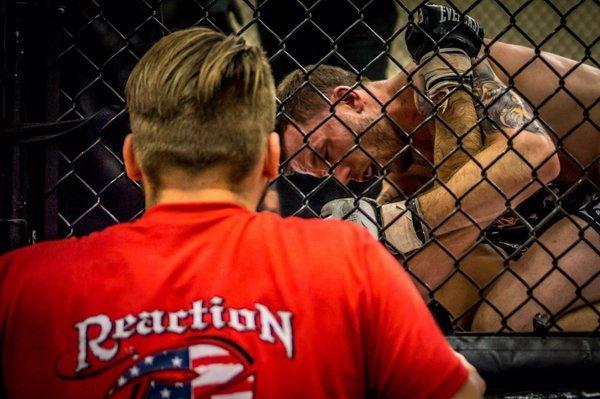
x: 66, y: 62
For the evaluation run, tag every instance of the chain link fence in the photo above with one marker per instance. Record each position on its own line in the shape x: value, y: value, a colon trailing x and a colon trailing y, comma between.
x: 64, y: 117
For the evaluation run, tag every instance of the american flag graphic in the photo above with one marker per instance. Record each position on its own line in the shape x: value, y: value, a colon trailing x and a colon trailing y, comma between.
x: 211, y: 370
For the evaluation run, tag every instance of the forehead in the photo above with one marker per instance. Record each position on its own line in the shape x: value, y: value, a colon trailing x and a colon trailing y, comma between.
x: 296, y: 138
x: 322, y: 127
x: 314, y: 131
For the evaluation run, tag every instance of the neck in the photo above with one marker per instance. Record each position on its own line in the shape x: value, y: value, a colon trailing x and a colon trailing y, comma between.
x: 400, y: 99
x: 175, y: 196
x: 180, y: 188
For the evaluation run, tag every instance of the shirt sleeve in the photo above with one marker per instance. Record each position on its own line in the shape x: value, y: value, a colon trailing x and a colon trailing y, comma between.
x: 406, y: 353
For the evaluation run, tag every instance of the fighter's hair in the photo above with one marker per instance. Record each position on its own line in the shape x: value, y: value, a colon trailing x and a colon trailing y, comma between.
x: 301, y: 94
x: 199, y: 99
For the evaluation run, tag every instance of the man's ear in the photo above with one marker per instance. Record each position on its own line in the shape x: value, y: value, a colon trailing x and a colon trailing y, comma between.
x: 271, y: 163
x: 351, y: 97
x: 132, y: 168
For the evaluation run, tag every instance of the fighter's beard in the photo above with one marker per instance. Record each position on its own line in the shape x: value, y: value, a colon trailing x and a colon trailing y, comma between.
x: 382, y: 140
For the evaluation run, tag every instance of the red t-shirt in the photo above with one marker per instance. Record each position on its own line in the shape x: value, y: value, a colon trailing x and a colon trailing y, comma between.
x: 210, y: 300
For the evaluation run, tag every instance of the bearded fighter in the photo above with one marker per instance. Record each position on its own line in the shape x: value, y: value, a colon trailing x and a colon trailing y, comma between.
x: 539, y: 120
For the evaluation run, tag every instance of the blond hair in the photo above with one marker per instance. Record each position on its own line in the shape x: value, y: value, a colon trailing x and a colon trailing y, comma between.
x: 199, y: 99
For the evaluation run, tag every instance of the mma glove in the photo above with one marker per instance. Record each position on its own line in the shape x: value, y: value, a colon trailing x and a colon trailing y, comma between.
x: 398, y: 225
x: 441, y: 30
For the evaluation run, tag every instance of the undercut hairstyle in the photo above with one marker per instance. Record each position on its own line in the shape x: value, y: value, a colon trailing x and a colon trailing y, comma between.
x: 299, y: 99
x: 199, y: 99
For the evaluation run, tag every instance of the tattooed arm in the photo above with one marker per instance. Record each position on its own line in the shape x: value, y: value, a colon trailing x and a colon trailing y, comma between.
x: 499, y: 108
x: 517, y: 156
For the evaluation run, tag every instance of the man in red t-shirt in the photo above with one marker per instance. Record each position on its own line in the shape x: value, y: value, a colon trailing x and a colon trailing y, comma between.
x: 203, y: 297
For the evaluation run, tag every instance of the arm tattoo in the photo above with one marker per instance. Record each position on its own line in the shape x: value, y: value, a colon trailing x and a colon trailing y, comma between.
x: 501, y: 108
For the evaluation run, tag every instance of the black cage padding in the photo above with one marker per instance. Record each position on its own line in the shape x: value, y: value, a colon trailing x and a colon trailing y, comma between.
x: 533, y: 364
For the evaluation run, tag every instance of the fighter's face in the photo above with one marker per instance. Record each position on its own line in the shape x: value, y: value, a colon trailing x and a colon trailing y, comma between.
x: 335, y: 142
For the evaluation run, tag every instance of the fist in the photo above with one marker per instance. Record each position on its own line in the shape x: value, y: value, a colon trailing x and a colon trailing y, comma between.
x: 445, y: 28
x: 362, y: 211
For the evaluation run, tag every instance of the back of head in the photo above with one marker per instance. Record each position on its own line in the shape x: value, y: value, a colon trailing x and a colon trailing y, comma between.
x: 198, y: 100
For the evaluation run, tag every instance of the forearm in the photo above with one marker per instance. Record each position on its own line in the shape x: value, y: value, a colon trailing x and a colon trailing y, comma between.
x: 457, y: 135
x: 457, y: 139
x: 456, y: 223
x: 474, y: 387
x: 479, y: 192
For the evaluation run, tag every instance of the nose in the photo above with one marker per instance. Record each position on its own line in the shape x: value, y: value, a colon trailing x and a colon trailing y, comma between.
x: 343, y: 174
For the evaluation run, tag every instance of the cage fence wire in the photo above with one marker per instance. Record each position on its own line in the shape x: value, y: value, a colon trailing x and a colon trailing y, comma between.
x: 64, y: 175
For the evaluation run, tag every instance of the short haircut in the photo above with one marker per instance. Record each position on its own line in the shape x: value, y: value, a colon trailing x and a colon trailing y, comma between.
x: 200, y: 99
x: 299, y: 92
